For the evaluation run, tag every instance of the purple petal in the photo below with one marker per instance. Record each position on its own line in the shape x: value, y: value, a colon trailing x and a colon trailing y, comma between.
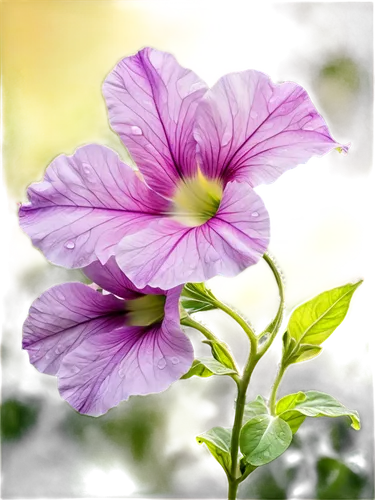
x: 110, y: 277
x: 169, y: 253
x: 62, y: 317
x: 86, y: 203
x: 110, y: 366
x: 151, y: 102
x: 248, y: 128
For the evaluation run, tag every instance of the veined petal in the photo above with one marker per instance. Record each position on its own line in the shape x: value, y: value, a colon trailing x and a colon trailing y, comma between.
x: 62, y: 317
x: 110, y: 277
x: 169, y: 253
x: 86, y: 203
x: 248, y: 128
x: 151, y: 102
x: 110, y: 366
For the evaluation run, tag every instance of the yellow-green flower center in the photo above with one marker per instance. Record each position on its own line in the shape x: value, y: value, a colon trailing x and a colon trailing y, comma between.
x: 145, y: 311
x: 197, y: 200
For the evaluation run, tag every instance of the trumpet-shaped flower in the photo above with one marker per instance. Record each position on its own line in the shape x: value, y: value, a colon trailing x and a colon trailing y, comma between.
x: 193, y: 212
x: 106, y: 347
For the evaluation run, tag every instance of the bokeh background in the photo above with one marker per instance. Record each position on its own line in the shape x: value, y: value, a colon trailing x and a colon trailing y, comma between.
x: 55, y: 55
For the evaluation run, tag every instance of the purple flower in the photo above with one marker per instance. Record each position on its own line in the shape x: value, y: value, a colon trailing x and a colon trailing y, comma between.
x: 200, y: 152
x: 107, y: 347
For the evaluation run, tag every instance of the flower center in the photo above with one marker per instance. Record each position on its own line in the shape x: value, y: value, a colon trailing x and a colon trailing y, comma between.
x: 145, y: 311
x: 197, y: 200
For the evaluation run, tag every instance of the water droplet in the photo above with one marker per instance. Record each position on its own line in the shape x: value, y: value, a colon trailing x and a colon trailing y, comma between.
x: 122, y: 372
x: 197, y: 86
x: 255, y: 214
x: 86, y: 168
x: 48, y: 356
x: 60, y: 296
x: 308, y: 127
x: 59, y: 349
x: 74, y: 370
x: 273, y: 99
x: 162, y: 363
x: 136, y: 130
x: 175, y: 361
x: 70, y: 245
x: 253, y: 114
x: 266, y: 454
x: 227, y: 136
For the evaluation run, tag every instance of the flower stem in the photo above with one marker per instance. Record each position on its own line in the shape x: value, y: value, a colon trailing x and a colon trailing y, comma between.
x: 279, y: 376
x: 235, y: 478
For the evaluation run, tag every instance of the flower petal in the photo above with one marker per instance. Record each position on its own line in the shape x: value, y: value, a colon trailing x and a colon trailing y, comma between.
x: 169, y: 253
x: 110, y: 277
x: 110, y: 366
x: 86, y: 203
x: 151, y: 102
x: 248, y: 128
x: 62, y: 317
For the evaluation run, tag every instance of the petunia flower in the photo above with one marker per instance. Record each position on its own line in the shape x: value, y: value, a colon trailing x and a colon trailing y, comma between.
x: 191, y: 212
x: 105, y: 347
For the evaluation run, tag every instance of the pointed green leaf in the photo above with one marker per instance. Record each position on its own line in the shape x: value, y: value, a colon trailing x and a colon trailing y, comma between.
x: 255, y: 408
x: 305, y: 352
x: 264, y: 438
x: 196, y: 297
x: 218, y: 441
x: 316, y: 404
x: 219, y: 352
x: 205, y: 367
x: 293, y: 418
x: 315, y: 320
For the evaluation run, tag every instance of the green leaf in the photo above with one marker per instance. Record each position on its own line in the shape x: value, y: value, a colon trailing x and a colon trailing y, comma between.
x: 219, y: 352
x: 255, y: 408
x: 264, y: 438
x: 196, y: 297
x: 205, y: 367
x: 316, y: 404
x: 293, y: 418
x: 218, y: 441
x: 337, y: 480
x: 305, y: 352
x: 315, y: 320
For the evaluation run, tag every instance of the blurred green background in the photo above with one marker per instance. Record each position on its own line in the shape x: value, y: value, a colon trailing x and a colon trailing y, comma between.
x: 55, y: 56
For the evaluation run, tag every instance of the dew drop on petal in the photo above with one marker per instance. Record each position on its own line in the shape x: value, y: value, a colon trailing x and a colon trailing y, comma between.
x: 175, y: 360
x: 253, y: 115
x: 122, y: 372
x: 60, y: 296
x: 59, y: 349
x: 226, y: 138
x: 74, y: 370
x: 255, y: 214
x: 135, y: 130
x: 70, y: 245
x: 162, y: 363
x: 86, y: 168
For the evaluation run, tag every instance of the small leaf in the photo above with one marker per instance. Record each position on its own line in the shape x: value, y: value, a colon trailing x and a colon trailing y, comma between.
x: 305, y: 352
x: 315, y: 320
x: 196, y: 297
x: 255, y: 408
x: 336, y: 480
x: 205, y: 367
x: 293, y: 418
x: 316, y: 404
x: 218, y: 441
x: 219, y: 352
x: 264, y: 438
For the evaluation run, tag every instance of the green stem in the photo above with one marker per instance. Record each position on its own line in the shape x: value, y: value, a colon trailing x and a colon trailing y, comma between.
x: 243, y: 324
x: 189, y: 321
x: 279, y: 376
x: 235, y: 477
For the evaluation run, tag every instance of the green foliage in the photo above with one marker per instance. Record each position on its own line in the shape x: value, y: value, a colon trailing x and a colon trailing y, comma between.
x: 337, y: 480
x: 218, y: 441
x: 255, y: 408
x: 196, y: 297
x: 296, y: 407
x: 264, y: 438
x: 314, y: 321
x: 219, y: 352
x: 17, y: 417
x: 205, y: 367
